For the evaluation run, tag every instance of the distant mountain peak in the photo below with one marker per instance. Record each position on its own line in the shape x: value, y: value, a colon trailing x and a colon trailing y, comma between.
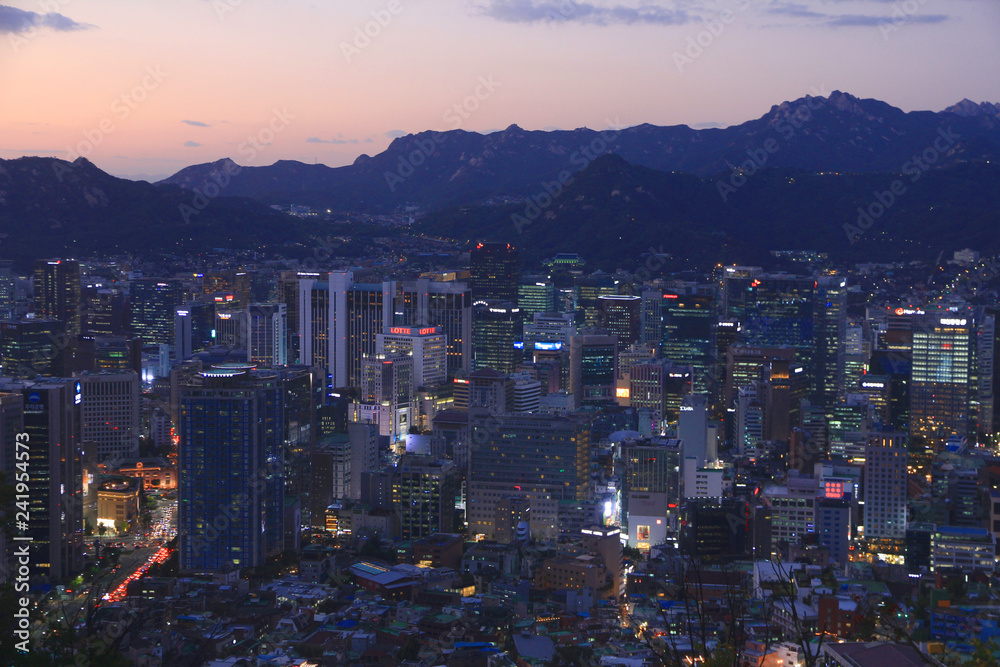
x: 969, y: 108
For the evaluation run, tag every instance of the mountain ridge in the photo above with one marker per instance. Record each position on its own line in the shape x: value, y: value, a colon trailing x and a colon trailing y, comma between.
x: 428, y: 170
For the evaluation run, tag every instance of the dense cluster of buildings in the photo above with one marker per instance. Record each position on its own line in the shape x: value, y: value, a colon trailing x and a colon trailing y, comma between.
x: 483, y: 465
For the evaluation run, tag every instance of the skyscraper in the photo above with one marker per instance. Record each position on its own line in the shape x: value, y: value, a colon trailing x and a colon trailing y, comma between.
x: 387, y: 381
x: 427, y: 303
x: 268, y: 334
x: 55, y: 480
x: 780, y: 313
x: 535, y: 456
x: 885, y: 487
x: 621, y: 315
x: 58, y: 292
x: 31, y: 348
x: 496, y: 328
x: 650, y: 486
x: 831, y: 335
x: 941, y: 388
x: 494, y: 268
x: 104, y: 312
x: 423, y: 493
x: 593, y: 367
x: 194, y: 328
x: 231, y: 468
x: 360, y: 312
x: 427, y: 346
x: 314, y: 321
x: 688, y: 333
x: 110, y: 411
x: 536, y: 294
x: 658, y: 386
x: 153, y: 304
x: 692, y: 429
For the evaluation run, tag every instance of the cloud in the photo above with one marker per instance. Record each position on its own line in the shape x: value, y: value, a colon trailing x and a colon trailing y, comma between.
x: 317, y: 140
x: 196, y: 123
x: 396, y: 134
x: 14, y: 20
x: 565, y: 11
x: 192, y: 144
x: 876, y: 21
x: 801, y: 11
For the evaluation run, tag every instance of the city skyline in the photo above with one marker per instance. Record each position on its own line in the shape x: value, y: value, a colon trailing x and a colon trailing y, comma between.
x: 153, y: 89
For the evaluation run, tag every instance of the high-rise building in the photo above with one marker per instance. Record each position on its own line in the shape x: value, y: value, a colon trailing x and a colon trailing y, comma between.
x: 337, y: 465
x: 231, y: 469
x: 692, y: 429
x: 885, y: 487
x: 650, y: 490
x: 941, y: 387
x: 110, y: 411
x: 593, y: 367
x: 358, y: 313
x: 495, y: 271
x: 32, y: 348
x: 387, y: 381
x: 288, y: 294
x: 314, y: 321
x: 746, y: 365
x: 8, y: 290
x: 749, y: 422
x: 737, y: 287
x: 194, y: 328
x: 549, y: 328
x: 651, y: 316
x: 153, y: 304
x: 232, y: 328
x: 55, y: 481
x: 659, y: 387
x: 536, y: 294
x: 58, y: 292
x: 424, y: 493
x: 104, y: 313
x: 427, y: 346
x: 688, y: 333
x: 487, y: 389
x: 830, y: 334
x: 496, y: 328
x: 536, y: 456
x: 527, y: 393
x: 586, y: 291
x: 268, y: 334
x: 427, y: 303
x: 780, y: 313
x: 621, y: 316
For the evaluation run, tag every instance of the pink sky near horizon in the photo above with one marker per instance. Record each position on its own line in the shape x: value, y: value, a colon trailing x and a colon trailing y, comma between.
x: 275, y: 70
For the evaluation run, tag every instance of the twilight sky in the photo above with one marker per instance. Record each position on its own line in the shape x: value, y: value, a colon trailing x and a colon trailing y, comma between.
x: 147, y: 87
